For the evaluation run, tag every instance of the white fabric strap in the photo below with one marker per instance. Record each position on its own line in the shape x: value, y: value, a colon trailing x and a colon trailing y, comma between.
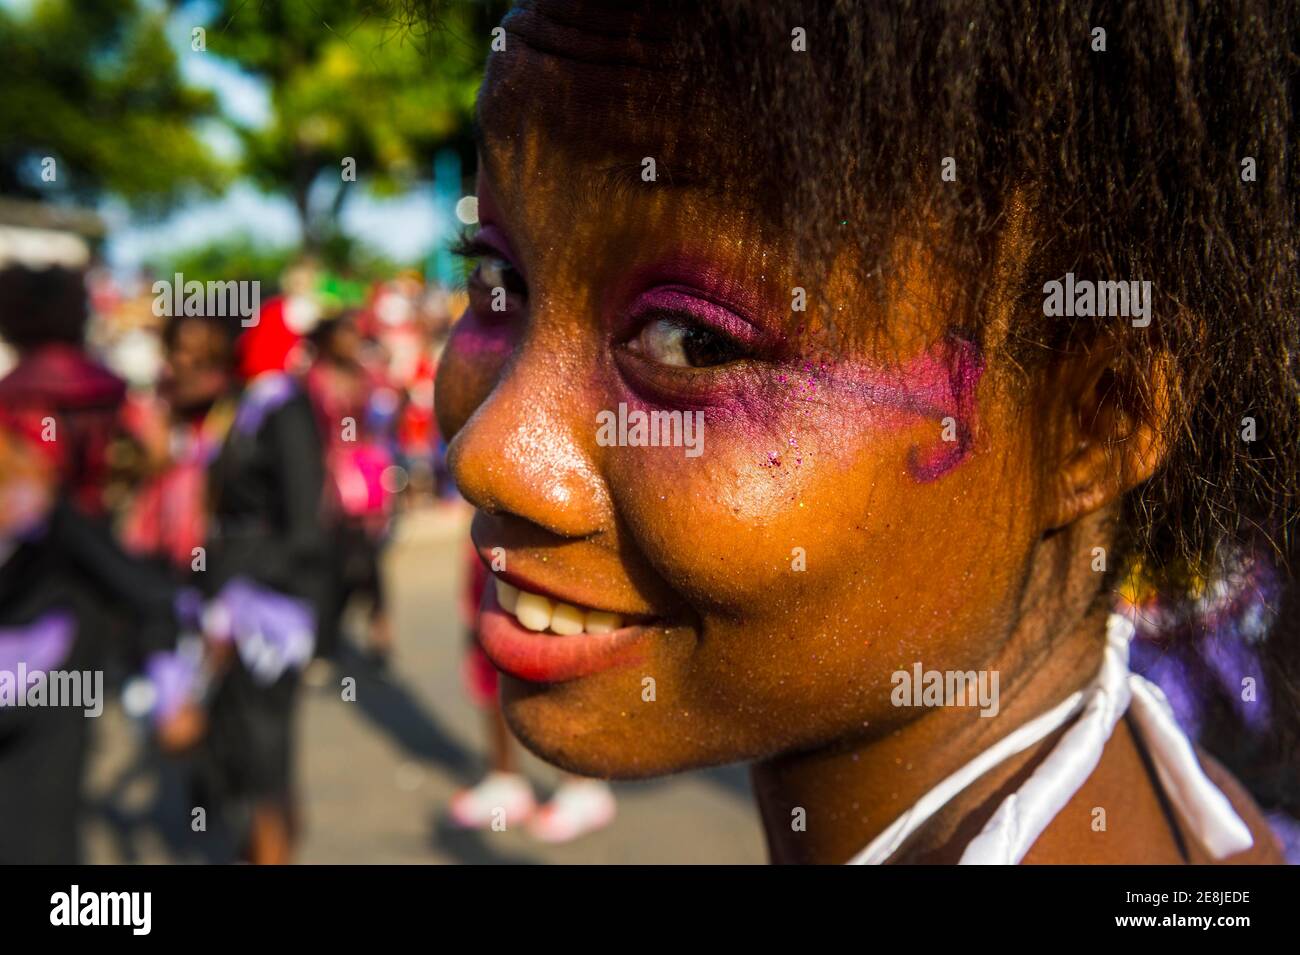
x: 1022, y: 816
x: 887, y: 843
x: 1197, y: 800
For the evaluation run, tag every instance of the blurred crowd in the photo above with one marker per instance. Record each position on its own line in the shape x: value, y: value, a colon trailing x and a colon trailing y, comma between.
x: 195, y: 500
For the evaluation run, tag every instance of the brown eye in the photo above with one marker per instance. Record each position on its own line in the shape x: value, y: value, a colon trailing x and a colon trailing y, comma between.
x: 683, y: 344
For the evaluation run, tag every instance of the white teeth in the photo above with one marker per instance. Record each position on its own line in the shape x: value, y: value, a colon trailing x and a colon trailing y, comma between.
x: 540, y: 613
x: 533, y: 610
x: 566, y: 620
x: 598, y: 621
x: 506, y: 595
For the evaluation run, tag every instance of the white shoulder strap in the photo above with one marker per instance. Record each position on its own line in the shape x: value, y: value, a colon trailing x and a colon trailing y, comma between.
x: 1022, y: 816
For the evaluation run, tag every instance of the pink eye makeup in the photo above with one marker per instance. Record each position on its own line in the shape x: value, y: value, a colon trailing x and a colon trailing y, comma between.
x: 687, y: 344
x: 677, y: 328
x: 692, y: 306
x: 487, y: 241
x: 681, y: 346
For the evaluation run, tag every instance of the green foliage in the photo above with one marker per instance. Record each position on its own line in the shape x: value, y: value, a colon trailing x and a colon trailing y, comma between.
x: 97, y: 85
x: 231, y: 258
x: 243, y: 257
x: 94, y: 84
x: 350, y: 80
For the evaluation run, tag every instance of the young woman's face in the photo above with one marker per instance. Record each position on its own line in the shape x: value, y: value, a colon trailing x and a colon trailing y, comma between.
x: 853, y: 507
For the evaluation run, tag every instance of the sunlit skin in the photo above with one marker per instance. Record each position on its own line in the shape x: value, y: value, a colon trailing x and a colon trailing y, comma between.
x: 970, y: 553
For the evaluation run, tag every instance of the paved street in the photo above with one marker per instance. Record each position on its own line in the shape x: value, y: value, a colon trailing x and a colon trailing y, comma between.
x: 377, y: 773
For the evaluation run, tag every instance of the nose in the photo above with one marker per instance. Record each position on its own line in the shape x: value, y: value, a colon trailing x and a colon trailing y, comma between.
x: 526, y: 449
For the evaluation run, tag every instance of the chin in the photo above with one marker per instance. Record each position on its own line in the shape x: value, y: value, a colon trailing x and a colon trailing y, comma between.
x: 585, y: 727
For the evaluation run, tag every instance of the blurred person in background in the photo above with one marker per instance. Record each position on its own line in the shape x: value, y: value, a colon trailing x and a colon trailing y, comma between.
x: 70, y: 598
x: 68, y: 594
x: 268, y: 571
x: 350, y: 400
x: 179, y: 434
x: 43, y: 318
x: 400, y: 328
x: 442, y: 305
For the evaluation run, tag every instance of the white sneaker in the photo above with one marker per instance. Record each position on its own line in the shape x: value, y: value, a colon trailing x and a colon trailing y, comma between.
x: 577, y: 808
x: 504, y: 796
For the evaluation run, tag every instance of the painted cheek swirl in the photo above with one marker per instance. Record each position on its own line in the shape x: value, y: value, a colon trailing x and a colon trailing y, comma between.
x: 937, y: 385
x: 959, y: 373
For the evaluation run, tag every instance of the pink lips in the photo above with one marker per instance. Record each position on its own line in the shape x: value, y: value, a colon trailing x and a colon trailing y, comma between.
x: 547, y: 658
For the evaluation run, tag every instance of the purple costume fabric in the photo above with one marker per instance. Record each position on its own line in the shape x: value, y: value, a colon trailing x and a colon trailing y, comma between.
x: 1216, y: 663
x: 273, y: 632
x: 40, y: 646
x: 260, y: 398
x: 188, y: 605
x: 174, y: 677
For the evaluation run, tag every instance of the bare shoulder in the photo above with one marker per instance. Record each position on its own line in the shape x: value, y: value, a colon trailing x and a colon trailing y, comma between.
x: 1117, y: 817
x: 1121, y: 816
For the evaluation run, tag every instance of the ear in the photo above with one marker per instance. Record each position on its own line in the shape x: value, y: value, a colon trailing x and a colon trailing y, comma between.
x: 1113, y: 424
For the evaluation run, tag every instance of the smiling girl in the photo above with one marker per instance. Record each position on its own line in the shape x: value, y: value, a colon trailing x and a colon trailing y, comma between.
x: 829, y: 231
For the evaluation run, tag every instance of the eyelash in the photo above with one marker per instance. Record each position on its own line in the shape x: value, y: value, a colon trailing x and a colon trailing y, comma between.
x: 474, y: 251
x: 470, y: 249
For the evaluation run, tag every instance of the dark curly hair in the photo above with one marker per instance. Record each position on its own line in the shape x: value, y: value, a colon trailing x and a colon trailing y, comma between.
x: 42, y: 305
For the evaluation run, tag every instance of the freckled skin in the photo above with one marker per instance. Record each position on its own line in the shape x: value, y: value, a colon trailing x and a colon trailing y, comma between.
x: 913, y: 552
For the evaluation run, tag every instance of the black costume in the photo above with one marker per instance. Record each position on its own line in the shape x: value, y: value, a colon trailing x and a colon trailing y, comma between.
x: 69, y: 571
x: 266, y: 539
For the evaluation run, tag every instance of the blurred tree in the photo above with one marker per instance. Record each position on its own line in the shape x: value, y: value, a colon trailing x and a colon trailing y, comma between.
x: 95, y: 86
x: 233, y: 257
x: 244, y: 257
x: 359, y: 92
